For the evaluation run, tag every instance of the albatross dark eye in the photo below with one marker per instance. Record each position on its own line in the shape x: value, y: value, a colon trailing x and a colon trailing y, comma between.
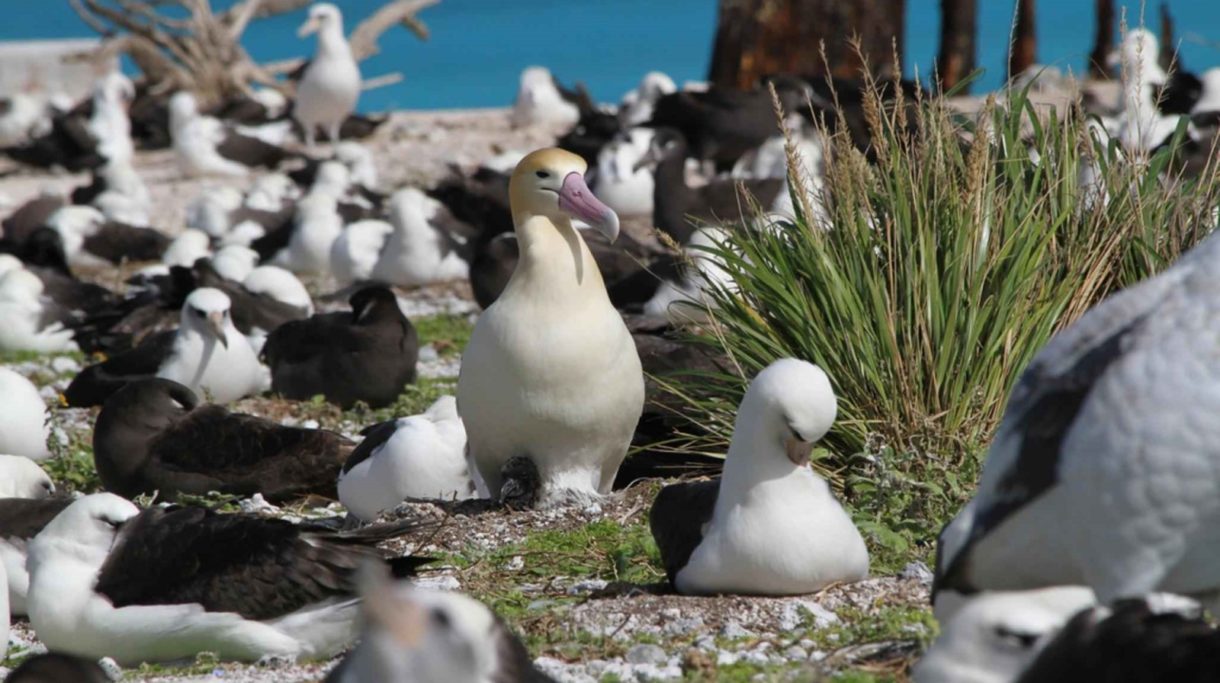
x: 542, y: 174
x: 440, y: 618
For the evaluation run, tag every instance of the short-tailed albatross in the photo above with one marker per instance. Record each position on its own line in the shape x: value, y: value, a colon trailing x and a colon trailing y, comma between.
x: 551, y: 374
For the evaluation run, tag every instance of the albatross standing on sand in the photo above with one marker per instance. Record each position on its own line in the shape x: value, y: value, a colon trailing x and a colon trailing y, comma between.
x: 551, y: 373
x: 770, y: 526
x: 330, y: 86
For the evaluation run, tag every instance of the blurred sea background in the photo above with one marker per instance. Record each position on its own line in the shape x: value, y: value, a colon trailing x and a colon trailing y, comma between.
x: 479, y: 47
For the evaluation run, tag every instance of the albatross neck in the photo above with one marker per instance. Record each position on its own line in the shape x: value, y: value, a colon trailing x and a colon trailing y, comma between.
x: 555, y: 262
x: 332, y: 43
x: 755, y: 456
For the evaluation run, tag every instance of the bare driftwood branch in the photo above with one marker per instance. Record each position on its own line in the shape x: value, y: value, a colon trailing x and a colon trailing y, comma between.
x: 202, y: 51
x: 364, y: 39
x: 381, y: 81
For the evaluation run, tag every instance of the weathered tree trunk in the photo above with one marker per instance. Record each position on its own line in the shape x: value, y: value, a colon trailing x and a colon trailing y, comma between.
x: 755, y: 38
x: 958, y: 28
x: 1103, y: 40
x: 1024, y: 50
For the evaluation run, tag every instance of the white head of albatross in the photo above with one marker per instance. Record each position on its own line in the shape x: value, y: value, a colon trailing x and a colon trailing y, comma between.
x: 210, y: 356
x: 995, y: 636
x: 772, y: 526
x: 523, y: 391
x: 415, y: 635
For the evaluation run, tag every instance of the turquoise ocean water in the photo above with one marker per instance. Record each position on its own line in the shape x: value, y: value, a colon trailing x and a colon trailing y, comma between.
x: 479, y: 47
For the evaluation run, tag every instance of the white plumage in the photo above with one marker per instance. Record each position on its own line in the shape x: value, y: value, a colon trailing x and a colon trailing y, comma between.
x: 211, y: 211
x: 75, y: 224
x: 195, y: 138
x: 535, y: 356
x: 21, y: 477
x: 355, y: 253
x: 234, y: 262
x: 126, y: 198
x: 209, y: 355
x: 109, y: 123
x: 29, y: 322
x: 23, y: 422
x: 279, y: 284
x: 539, y: 102
x: 684, y: 300
x: 1103, y: 470
x: 622, y: 182
x: 419, y: 251
x: 996, y: 635
x: 637, y: 105
x: 330, y: 86
x: 777, y: 528
x: 416, y: 635
x: 4, y: 613
x: 424, y: 457
x: 69, y: 616
x: 359, y: 160
x: 189, y: 246
x: 316, y: 227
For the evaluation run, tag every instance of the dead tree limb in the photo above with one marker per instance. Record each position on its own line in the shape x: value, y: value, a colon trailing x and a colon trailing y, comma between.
x: 203, y: 53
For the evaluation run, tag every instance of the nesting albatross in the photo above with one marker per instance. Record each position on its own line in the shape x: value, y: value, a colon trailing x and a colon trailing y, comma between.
x: 153, y: 436
x: 551, y: 374
x: 107, y: 580
x: 366, y: 355
x: 206, y: 353
x: 769, y: 526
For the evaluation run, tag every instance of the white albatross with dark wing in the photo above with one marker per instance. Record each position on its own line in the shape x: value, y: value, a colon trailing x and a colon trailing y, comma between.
x: 206, y: 353
x: 110, y: 580
x: 20, y: 521
x: 1104, y: 469
x: 551, y: 376
x: 415, y: 635
x: 421, y: 456
x: 769, y: 526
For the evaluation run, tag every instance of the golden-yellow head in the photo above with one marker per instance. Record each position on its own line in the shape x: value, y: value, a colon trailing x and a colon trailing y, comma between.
x: 551, y: 182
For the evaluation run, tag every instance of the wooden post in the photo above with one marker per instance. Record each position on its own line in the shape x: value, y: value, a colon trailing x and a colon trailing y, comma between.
x: 958, y: 30
x: 755, y: 38
x: 1024, y: 50
x: 1103, y: 40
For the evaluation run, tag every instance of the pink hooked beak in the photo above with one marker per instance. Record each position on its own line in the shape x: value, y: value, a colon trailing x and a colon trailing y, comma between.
x: 577, y: 200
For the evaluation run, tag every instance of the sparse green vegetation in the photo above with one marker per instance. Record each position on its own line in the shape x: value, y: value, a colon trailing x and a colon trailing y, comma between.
x: 937, y: 274
x: 447, y: 333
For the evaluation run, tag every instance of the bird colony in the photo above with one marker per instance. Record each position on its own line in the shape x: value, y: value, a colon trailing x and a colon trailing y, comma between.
x: 220, y: 523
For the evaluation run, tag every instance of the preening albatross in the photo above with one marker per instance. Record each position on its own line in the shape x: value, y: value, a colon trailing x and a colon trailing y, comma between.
x: 551, y: 373
x: 769, y: 526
